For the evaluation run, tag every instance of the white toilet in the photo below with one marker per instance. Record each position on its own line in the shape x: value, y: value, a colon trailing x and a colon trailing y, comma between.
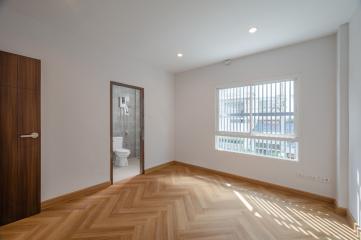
x: 120, y: 154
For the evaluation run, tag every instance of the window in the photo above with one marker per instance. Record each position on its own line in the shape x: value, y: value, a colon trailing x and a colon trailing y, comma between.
x: 258, y: 119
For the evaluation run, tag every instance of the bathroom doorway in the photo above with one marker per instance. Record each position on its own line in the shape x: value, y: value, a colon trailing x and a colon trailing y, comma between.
x: 126, y: 131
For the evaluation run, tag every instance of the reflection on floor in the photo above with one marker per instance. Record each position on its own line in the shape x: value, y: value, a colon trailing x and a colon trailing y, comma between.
x: 121, y: 173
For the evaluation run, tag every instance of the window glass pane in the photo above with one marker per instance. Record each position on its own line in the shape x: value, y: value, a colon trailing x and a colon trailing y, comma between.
x: 282, y: 149
x: 234, y: 109
x: 273, y: 108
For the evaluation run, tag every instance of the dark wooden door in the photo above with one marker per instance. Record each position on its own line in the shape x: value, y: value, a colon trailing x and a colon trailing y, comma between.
x: 19, y: 137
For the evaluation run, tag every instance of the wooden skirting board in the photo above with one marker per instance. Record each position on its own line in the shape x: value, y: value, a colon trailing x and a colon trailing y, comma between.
x: 98, y: 187
x: 265, y: 184
x: 73, y: 195
x: 338, y: 210
x: 353, y: 223
x: 92, y: 189
x: 155, y: 168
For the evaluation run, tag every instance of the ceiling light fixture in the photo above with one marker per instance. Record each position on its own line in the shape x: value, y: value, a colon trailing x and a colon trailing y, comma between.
x: 252, y: 30
x: 179, y: 55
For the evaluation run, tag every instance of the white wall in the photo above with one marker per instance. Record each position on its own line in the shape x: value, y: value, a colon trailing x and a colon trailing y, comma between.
x: 314, y: 62
x: 75, y: 103
x: 355, y: 116
x: 342, y: 116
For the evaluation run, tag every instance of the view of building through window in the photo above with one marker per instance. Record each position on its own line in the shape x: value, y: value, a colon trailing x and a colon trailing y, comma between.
x: 258, y: 119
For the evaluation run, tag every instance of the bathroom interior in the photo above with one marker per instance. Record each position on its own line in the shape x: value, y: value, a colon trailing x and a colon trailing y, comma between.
x: 126, y: 132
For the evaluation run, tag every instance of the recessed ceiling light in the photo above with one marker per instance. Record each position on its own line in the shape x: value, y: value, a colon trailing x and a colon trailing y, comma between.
x: 179, y: 55
x: 252, y: 30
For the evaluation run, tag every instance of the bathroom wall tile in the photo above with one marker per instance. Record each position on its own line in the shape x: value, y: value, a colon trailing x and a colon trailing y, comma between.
x: 127, y: 126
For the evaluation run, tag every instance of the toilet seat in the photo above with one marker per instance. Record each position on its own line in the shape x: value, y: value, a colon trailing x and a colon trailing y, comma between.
x: 122, y: 150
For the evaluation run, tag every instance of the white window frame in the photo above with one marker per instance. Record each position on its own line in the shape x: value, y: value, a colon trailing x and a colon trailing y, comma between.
x: 294, y: 137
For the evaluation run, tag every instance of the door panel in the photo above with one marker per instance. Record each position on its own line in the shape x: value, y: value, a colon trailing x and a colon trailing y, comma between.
x: 28, y: 73
x: 8, y: 69
x: 29, y: 148
x: 19, y: 155
x: 9, y: 162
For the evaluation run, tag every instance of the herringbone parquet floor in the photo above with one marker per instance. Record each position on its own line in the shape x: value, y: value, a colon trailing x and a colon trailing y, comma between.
x: 179, y: 202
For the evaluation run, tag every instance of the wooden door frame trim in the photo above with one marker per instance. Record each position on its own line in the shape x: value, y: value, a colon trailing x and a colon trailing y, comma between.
x: 113, y: 83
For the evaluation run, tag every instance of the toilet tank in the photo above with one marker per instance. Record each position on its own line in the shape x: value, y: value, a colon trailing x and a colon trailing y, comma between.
x: 117, y: 142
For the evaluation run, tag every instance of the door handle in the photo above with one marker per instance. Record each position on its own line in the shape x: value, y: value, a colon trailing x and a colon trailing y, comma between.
x: 32, y: 135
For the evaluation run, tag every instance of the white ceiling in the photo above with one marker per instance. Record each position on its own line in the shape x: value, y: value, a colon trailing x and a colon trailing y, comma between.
x: 205, y: 31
